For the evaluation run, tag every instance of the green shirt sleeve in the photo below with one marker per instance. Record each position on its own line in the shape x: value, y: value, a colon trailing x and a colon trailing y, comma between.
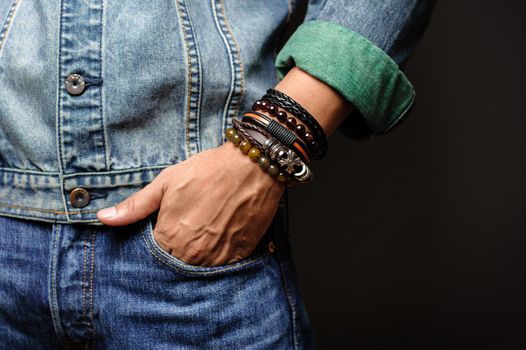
x: 356, y: 68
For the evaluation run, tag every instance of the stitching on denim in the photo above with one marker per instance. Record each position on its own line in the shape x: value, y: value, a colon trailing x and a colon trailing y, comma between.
x: 28, y: 171
x: 92, y: 269
x: 32, y: 172
x: 194, y: 84
x: 118, y: 172
x: 58, y: 118
x: 101, y: 92
x: 238, y: 64
x: 53, y: 293
x: 56, y: 212
x: 66, y: 176
x: 170, y: 263
x: 84, y: 280
x: 237, y: 87
x: 292, y: 306
x: 43, y: 219
x: 8, y: 22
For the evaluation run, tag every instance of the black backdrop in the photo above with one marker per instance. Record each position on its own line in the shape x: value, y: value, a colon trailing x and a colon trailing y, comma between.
x: 416, y: 239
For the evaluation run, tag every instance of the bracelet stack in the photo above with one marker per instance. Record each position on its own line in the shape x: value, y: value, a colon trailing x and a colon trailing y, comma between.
x: 282, y: 146
x: 317, y: 141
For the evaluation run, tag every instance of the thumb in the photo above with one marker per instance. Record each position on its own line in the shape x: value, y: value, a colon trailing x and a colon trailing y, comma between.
x: 135, y: 207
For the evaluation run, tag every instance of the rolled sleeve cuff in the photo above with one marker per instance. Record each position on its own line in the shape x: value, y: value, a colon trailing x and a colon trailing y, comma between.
x: 356, y: 68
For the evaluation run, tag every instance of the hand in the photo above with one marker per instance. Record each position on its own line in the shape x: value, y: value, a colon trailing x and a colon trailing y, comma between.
x: 214, y: 207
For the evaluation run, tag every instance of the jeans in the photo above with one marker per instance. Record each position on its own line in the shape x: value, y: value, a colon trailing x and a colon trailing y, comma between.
x: 79, y: 286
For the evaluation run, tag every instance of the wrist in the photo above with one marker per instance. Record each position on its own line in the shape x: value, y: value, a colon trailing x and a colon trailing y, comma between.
x: 321, y: 100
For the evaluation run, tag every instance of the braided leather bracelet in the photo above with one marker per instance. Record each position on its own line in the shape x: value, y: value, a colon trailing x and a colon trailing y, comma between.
x: 319, y: 145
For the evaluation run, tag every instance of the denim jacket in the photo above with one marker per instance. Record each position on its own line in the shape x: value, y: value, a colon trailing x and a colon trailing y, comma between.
x: 98, y: 96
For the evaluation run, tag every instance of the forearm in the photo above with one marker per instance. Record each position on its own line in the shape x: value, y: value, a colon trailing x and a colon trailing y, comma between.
x: 326, y: 105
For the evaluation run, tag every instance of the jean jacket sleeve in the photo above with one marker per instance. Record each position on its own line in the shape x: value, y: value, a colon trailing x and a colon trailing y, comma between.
x: 358, y: 47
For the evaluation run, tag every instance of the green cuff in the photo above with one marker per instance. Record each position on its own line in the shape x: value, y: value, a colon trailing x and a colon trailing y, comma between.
x: 355, y: 67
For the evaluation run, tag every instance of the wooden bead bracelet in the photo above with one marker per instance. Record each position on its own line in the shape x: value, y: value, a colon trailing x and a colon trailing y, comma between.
x: 279, y: 99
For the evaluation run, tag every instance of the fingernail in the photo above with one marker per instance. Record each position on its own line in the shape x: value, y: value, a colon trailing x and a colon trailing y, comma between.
x: 107, y: 213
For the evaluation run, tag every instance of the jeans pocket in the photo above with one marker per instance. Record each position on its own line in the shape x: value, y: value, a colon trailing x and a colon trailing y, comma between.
x: 258, y: 256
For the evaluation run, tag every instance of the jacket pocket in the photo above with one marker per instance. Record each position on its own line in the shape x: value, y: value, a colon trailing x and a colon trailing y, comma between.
x: 7, y: 14
x: 255, y: 259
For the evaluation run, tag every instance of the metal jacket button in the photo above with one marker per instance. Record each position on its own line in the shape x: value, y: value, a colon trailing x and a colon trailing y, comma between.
x: 79, y: 197
x: 75, y: 84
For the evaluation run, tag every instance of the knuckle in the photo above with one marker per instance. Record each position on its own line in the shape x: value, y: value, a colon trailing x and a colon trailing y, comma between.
x: 236, y: 258
x: 192, y: 256
x: 130, y: 203
x: 160, y: 240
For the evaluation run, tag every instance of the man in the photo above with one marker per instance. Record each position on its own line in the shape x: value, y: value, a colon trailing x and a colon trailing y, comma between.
x: 126, y: 220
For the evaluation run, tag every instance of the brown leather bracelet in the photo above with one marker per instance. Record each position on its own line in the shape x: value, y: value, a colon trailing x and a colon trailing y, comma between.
x: 281, y: 133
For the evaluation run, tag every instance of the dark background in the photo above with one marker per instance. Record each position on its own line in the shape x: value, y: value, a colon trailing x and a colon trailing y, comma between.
x: 416, y: 239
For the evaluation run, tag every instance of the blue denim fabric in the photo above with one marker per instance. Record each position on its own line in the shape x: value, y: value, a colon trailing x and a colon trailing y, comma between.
x: 89, y: 287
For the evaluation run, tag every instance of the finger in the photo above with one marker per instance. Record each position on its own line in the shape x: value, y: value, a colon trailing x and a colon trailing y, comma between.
x: 134, y: 208
x: 235, y: 259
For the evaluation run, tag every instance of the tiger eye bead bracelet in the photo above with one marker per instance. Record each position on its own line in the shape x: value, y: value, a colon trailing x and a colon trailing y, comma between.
x: 255, y: 155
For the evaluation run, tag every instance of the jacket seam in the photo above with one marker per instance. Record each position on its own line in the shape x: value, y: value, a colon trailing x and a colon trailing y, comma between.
x: 194, y: 83
x: 4, y: 32
x: 58, y: 118
x: 27, y: 171
x: 56, y: 212
x: 237, y: 85
x: 96, y: 173
x: 102, y: 97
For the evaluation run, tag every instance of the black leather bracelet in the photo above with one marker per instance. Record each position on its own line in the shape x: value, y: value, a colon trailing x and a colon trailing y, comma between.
x: 319, y: 145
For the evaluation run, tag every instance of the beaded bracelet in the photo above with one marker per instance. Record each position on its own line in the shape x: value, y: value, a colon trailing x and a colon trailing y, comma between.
x: 290, y: 122
x: 282, y: 134
x: 284, y: 101
x: 295, y: 168
x: 255, y: 155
